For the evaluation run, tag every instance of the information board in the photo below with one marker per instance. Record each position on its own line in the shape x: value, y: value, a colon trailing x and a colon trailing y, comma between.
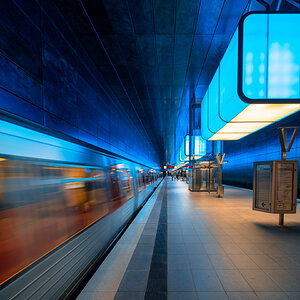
x: 284, y: 186
x: 275, y: 186
x: 263, y: 187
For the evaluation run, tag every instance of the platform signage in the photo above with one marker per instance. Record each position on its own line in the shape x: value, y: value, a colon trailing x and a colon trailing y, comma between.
x: 263, y: 187
x: 284, y: 188
x: 274, y: 186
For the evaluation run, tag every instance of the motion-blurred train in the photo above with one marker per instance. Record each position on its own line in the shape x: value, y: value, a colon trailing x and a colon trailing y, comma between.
x: 62, y: 203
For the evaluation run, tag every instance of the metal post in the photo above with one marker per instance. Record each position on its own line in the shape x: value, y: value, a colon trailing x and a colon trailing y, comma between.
x: 283, y: 156
x: 284, y: 135
x: 208, y: 178
x: 281, y: 219
x: 220, y: 180
x: 282, y: 132
x: 220, y: 160
x: 220, y: 175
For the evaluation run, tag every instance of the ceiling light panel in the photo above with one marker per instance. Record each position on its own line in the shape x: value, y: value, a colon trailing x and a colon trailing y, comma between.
x: 257, y: 81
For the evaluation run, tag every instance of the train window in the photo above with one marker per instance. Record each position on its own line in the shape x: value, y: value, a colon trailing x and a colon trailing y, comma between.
x: 141, y: 180
x: 127, y: 180
x: 115, y: 188
x: 121, y: 185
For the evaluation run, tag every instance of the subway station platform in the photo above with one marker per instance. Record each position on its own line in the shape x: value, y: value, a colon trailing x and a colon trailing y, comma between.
x: 185, y: 245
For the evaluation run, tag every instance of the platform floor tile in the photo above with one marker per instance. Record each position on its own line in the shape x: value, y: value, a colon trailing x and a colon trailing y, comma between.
x: 188, y: 246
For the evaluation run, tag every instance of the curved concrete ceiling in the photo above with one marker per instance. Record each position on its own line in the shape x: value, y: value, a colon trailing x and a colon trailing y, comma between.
x: 152, y: 52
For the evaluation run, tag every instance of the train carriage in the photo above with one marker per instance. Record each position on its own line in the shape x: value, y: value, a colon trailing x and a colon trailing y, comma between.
x: 62, y: 203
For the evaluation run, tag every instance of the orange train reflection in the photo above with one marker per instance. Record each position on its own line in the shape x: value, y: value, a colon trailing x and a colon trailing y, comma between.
x: 41, y: 206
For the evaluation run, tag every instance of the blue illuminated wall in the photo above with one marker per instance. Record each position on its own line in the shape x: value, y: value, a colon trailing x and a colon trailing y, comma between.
x: 46, y: 76
x: 260, y: 146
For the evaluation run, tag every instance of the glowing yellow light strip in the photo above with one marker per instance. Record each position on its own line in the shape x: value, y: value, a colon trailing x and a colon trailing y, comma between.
x: 252, y: 118
x: 265, y: 112
x: 227, y: 136
x: 242, y: 127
